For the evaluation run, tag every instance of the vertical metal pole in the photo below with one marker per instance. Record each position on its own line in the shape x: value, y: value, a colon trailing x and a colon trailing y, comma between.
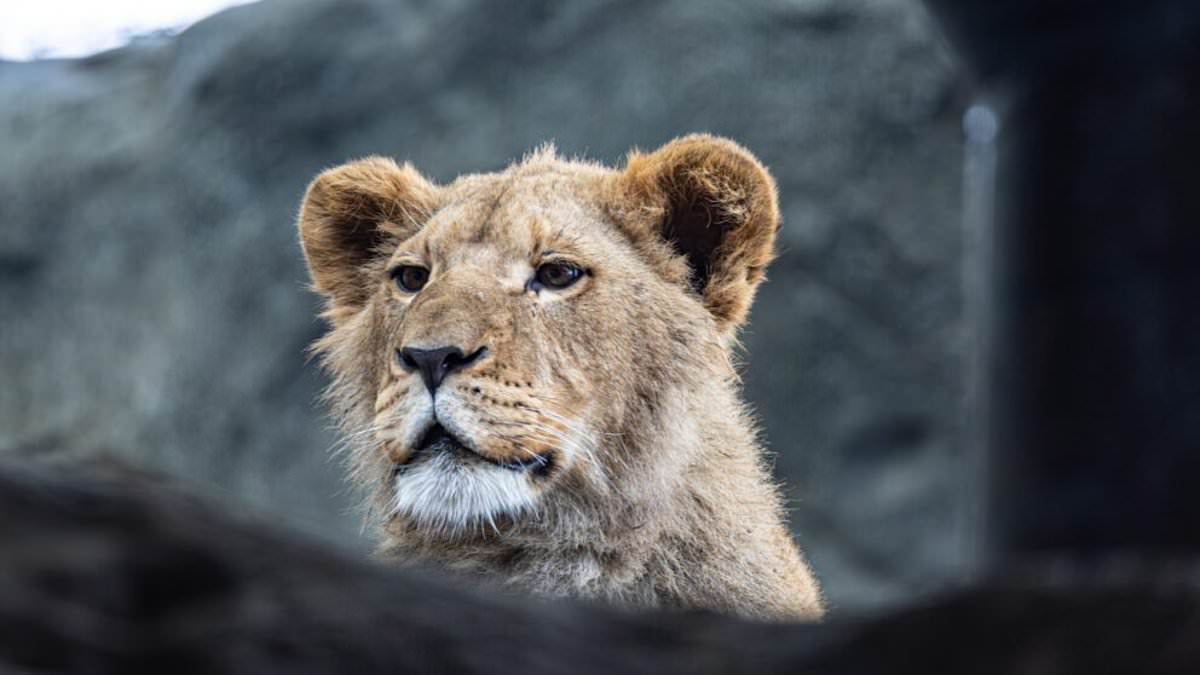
x: 981, y: 125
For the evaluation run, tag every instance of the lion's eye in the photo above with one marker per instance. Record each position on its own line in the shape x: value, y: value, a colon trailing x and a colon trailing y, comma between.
x: 410, y: 278
x: 557, y: 275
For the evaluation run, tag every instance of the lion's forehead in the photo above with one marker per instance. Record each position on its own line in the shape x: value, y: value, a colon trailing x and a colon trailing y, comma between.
x: 516, y: 214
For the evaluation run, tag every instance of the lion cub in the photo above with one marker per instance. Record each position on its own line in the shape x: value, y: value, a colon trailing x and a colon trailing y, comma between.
x: 533, y: 372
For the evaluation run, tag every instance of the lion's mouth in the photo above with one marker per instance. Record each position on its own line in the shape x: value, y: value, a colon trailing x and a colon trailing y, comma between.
x: 438, y: 440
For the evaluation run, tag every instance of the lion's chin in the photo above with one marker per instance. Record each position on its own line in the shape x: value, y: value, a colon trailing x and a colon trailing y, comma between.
x: 446, y: 492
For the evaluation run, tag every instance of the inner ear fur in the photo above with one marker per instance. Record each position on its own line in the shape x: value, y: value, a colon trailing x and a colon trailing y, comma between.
x: 710, y: 204
x: 349, y: 214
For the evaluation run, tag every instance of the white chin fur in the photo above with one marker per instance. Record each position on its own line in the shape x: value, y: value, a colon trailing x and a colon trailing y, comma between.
x: 446, y: 495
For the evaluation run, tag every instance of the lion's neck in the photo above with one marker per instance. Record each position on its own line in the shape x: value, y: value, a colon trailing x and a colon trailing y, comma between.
x: 691, y: 514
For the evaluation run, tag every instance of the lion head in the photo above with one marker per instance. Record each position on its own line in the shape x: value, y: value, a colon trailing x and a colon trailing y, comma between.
x: 520, y: 348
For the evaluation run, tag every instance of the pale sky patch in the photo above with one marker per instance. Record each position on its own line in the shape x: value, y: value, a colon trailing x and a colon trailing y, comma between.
x: 32, y: 29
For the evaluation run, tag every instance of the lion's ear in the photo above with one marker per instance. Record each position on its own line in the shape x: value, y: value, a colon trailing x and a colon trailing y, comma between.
x: 715, y: 206
x: 349, y: 213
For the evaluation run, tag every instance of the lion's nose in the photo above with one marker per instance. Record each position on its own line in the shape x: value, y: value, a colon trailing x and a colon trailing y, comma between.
x: 435, y: 364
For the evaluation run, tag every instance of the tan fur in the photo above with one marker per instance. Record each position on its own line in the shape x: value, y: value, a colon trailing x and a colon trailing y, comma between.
x: 655, y: 492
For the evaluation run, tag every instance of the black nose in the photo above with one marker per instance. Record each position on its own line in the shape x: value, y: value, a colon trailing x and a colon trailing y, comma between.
x: 435, y: 364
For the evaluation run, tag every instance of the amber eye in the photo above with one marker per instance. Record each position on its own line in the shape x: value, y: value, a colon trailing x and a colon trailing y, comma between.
x: 410, y: 278
x: 557, y: 275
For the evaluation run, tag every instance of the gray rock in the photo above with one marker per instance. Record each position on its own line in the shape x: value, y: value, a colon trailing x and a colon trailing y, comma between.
x: 152, y: 291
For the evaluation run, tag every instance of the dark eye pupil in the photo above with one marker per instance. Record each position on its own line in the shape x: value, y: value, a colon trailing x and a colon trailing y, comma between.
x: 412, y: 278
x: 557, y: 275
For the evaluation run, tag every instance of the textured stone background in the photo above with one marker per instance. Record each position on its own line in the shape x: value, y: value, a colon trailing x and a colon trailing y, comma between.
x: 152, y: 302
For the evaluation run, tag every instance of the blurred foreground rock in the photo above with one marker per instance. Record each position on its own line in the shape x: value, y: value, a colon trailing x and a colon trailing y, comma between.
x: 151, y: 287
x: 102, y: 577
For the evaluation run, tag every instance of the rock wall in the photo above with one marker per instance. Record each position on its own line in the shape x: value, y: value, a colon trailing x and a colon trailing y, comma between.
x: 152, y: 290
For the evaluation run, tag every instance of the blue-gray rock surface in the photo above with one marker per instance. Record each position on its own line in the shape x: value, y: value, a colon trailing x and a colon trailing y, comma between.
x: 152, y: 290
